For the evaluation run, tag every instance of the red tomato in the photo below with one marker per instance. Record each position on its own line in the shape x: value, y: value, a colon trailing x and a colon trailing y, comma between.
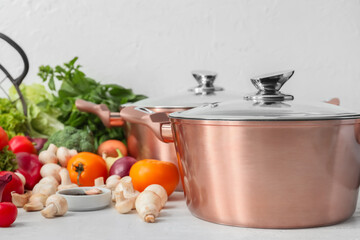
x: 8, y: 213
x: 4, y: 140
x: 14, y: 185
x: 21, y: 144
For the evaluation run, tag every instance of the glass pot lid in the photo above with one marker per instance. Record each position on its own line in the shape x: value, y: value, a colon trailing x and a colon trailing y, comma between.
x: 205, y: 92
x: 268, y: 104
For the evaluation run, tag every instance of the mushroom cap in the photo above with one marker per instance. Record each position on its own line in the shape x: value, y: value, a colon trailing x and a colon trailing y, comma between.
x: 46, y: 189
x: 128, y: 188
x: 112, y: 182
x: 51, y: 169
x: 159, y: 190
x: 59, y: 202
x: 49, y: 179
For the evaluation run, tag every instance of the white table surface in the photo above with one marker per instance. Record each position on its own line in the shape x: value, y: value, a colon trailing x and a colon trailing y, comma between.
x: 175, y: 222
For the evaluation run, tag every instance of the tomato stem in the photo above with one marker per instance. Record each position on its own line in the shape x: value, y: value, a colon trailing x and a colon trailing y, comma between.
x: 79, y: 169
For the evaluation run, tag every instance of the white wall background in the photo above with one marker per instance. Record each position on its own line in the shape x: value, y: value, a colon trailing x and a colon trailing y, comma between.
x: 152, y: 45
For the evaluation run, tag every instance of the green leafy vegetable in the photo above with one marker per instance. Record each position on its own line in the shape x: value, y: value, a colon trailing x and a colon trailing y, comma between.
x: 42, y: 118
x: 11, y: 119
x: 7, y: 160
x: 72, y: 138
x: 75, y: 84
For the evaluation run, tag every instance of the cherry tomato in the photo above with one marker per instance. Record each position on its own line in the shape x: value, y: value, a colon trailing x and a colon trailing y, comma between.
x: 8, y: 213
x: 109, y: 148
x: 4, y: 140
x: 21, y: 144
x: 14, y: 185
x: 150, y: 171
x: 85, y: 167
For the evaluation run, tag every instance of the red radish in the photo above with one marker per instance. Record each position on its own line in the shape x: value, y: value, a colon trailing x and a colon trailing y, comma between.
x: 15, y: 184
x: 8, y: 211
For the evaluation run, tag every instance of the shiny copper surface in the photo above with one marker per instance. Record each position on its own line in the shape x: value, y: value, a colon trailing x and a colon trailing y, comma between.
x: 143, y: 143
x: 269, y: 174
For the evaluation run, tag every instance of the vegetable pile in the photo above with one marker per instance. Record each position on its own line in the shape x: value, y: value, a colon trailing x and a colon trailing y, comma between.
x: 49, y: 112
x: 65, y: 148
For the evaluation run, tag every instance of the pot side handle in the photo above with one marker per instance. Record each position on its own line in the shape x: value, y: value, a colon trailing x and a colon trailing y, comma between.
x: 109, y: 119
x: 158, y: 122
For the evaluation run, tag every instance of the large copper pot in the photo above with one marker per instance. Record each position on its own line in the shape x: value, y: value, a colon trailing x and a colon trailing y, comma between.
x: 142, y: 142
x: 264, y: 162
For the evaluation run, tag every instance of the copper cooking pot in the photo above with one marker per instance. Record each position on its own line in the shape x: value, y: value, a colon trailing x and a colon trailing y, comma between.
x: 266, y: 161
x: 141, y: 141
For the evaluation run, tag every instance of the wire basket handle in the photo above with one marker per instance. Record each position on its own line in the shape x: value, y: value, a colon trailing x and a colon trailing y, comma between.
x: 17, y: 81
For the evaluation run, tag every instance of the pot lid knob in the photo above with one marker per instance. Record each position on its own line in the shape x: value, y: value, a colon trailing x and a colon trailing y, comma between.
x: 269, y: 87
x: 205, y: 81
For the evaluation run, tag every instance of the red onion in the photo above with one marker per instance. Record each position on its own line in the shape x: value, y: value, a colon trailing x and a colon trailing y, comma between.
x: 121, y: 167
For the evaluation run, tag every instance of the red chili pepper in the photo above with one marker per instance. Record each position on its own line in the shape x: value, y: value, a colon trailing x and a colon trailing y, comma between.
x: 8, y: 211
x: 29, y: 166
x: 21, y: 144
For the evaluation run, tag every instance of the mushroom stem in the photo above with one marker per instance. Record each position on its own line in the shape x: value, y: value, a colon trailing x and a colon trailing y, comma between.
x: 128, y: 189
x: 150, y: 218
x: 127, y: 185
x: 65, y: 177
x: 99, y: 182
x: 50, y: 211
x: 123, y: 205
x: 56, y: 205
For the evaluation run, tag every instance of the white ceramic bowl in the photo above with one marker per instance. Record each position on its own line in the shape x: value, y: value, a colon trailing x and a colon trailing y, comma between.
x: 78, y: 202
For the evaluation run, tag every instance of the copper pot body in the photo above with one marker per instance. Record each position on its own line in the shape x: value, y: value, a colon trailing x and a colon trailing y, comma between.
x: 269, y: 174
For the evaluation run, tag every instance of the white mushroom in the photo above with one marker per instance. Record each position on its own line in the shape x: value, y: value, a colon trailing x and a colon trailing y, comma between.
x: 99, y: 182
x: 50, y: 169
x: 159, y: 190
x: 123, y: 205
x: 148, y: 206
x: 56, y: 205
x: 128, y: 189
x: 49, y: 180
x: 112, y: 182
x: 65, y: 180
x: 64, y: 155
x: 46, y: 157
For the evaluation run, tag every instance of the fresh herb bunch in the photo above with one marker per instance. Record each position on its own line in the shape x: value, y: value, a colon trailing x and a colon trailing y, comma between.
x: 7, y: 160
x: 76, y: 85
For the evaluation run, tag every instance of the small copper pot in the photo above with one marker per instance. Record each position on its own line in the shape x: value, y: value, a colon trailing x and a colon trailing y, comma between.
x: 142, y: 142
x: 297, y: 166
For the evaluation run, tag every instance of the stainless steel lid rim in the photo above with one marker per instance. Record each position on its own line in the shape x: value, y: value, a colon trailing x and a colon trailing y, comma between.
x: 264, y: 123
x: 330, y: 118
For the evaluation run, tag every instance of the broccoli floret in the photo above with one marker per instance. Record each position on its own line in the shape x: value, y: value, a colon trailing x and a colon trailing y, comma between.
x: 72, y: 138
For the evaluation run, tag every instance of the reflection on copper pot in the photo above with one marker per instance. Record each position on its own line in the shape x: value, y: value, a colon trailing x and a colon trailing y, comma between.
x: 142, y: 143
